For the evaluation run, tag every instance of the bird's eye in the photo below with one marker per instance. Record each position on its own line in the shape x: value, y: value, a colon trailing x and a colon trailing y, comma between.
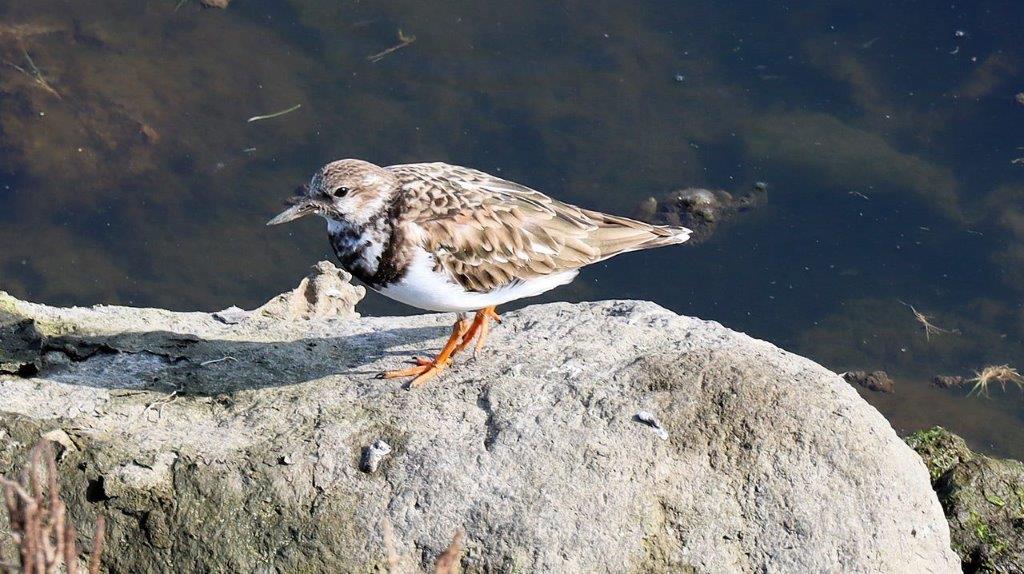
x: 341, y: 192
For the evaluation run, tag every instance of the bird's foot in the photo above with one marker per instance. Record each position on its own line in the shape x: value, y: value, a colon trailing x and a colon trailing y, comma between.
x: 421, y: 373
x: 479, y: 328
x: 426, y: 369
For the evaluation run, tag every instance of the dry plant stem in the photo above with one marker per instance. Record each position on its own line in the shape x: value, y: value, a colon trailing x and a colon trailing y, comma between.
x: 925, y: 321
x: 33, y: 72
x: 98, y: 538
x: 1001, y: 374
x: 274, y: 115
x: 403, y: 41
x: 38, y: 520
x: 220, y: 360
x: 389, y: 547
x: 448, y: 561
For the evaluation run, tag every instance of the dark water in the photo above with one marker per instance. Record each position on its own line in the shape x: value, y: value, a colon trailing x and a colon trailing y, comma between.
x: 886, y: 131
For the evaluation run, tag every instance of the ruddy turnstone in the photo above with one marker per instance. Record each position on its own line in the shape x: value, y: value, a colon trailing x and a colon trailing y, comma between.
x: 446, y: 238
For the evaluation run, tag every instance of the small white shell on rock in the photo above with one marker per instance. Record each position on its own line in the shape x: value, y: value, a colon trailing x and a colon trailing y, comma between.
x: 232, y: 315
x: 373, y: 455
x: 650, y: 420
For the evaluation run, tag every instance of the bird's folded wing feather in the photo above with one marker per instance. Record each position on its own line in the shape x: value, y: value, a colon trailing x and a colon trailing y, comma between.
x: 487, y: 232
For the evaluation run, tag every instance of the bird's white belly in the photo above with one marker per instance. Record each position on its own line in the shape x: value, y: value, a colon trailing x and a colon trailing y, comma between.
x: 427, y: 289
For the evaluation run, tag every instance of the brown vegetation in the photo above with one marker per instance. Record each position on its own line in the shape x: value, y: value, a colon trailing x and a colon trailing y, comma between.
x: 38, y: 521
x: 1001, y: 374
x: 447, y: 561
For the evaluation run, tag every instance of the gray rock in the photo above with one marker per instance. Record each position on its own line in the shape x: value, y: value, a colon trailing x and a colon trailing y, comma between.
x: 772, y: 463
x: 326, y: 293
x: 20, y: 343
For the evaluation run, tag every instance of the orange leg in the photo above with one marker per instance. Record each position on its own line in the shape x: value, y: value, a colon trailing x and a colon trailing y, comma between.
x: 480, y: 328
x: 426, y: 370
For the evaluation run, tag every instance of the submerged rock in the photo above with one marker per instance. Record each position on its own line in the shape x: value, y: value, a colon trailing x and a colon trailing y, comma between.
x: 768, y: 461
x: 983, y: 498
x: 700, y: 210
x: 947, y: 381
x: 878, y: 381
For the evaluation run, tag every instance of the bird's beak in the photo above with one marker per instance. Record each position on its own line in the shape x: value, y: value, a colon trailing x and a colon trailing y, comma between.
x: 301, y: 208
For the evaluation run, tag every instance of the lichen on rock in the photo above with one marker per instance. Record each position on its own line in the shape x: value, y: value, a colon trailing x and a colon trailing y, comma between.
x: 983, y: 499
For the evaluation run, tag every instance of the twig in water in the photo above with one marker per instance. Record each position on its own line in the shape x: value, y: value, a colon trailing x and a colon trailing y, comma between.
x: 34, y: 73
x: 859, y: 194
x: 1001, y: 374
x: 275, y: 114
x: 925, y: 321
x: 220, y: 360
x: 403, y: 41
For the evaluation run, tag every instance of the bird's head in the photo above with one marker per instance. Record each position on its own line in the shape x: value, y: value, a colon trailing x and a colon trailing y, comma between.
x: 348, y: 190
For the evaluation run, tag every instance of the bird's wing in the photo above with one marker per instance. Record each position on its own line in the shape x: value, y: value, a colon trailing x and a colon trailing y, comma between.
x: 487, y: 232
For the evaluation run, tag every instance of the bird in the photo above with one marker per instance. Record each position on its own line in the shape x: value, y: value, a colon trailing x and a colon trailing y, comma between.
x: 446, y: 238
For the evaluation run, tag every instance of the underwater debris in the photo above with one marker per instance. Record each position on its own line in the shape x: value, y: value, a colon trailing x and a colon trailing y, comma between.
x: 867, y: 45
x: 947, y: 381
x: 1001, y: 374
x: 700, y: 210
x: 403, y: 41
x: 878, y: 381
x: 34, y: 73
x: 1019, y: 98
x: 274, y: 115
x: 925, y: 321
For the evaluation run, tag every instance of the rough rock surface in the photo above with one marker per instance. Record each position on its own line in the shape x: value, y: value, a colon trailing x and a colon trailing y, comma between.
x: 326, y: 293
x: 216, y: 447
x: 983, y: 498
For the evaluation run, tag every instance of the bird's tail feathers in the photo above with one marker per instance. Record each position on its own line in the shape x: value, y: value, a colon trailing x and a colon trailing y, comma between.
x: 616, y: 234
